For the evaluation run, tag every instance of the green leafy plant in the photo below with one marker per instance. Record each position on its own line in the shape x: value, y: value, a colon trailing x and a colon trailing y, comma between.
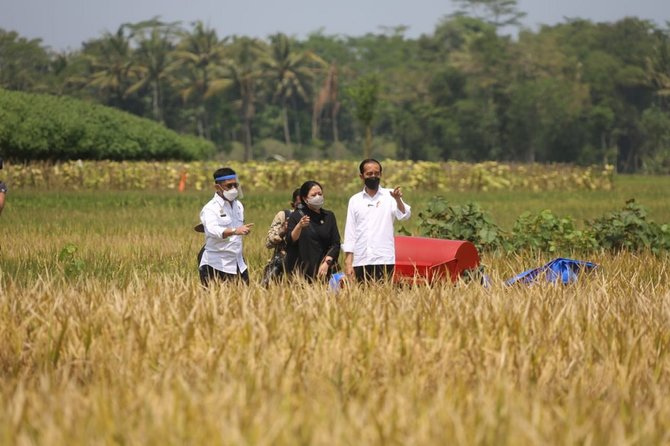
x: 547, y: 232
x: 467, y: 222
x: 71, y: 263
x: 629, y: 229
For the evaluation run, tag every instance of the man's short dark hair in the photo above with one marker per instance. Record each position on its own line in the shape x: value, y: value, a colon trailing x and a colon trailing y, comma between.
x: 368, y: 161
x: 223, y: 172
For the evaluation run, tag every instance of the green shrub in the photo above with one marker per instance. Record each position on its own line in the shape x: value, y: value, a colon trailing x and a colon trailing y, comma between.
x: 468, y: 222
x: 547, y: 232
x: 69, y: 260
x: 43, y: 127
x: 628, y: 229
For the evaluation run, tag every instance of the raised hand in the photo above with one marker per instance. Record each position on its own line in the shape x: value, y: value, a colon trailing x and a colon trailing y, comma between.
x: 244, y: 229
x: 304, y: 221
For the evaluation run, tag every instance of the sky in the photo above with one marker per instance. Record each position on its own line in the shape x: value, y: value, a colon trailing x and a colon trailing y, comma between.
x: 65, y: 24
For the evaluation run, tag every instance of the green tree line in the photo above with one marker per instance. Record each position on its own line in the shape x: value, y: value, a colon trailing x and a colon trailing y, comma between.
x: 578, y: 91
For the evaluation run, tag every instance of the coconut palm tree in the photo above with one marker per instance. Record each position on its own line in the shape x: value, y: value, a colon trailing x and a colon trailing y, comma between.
x: 111, y: 66
x: 327, y: 97
x: 498, y: 13
x: 199, y: 70
x: 22, y: 62
x: 658, y: 67
x: 290, y: 75
x: 155, y: 42
x: 244, y: 71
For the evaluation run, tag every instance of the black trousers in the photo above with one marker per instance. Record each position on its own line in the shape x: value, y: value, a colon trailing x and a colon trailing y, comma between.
x: 207, y: 274
x: 373, y: 273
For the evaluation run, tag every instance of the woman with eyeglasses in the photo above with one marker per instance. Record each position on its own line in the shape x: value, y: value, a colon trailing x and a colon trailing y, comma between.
x: 224, y: 227
x: 312, y: 237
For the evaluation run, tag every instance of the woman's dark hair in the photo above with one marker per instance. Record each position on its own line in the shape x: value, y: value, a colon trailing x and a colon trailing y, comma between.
x: 296, y: 194
x: 223, y: 172
x: 306, y: 187
x: 368, y: 161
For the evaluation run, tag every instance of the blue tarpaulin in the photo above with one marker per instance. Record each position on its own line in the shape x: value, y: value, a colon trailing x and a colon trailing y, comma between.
x: 336, y: 282
x: 565, y: 270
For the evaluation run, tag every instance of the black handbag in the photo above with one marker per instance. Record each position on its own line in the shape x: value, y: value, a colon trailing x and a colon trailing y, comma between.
x: 275, y: 267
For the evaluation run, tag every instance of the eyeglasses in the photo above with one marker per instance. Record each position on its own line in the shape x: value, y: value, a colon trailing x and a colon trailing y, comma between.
x: 230, y: 186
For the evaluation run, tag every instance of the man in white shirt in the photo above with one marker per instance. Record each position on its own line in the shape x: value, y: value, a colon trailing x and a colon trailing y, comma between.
x: 223, y: 221
x: 369, y: 243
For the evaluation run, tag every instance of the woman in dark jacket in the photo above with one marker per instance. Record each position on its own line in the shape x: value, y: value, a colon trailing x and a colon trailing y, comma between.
x: 312, y: 237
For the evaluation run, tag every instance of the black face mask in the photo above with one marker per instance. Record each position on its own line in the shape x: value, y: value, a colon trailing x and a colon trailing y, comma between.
x: 372, y: 183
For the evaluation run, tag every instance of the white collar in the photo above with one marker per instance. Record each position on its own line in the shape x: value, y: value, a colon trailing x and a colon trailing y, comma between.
x: 365, y: 193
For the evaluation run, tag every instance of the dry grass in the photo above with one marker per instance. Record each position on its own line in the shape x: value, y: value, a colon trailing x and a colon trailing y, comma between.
x: 130, y: 350
x: 162, y: 361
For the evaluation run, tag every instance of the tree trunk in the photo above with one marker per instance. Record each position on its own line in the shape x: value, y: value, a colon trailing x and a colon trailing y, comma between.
x: 336, y: 137
x: 201, y: 130
x: 200, y: 121
x: 298, y: 137
x: 333, y: 116
x: 368, y: 142
x: 287, y: 132
x: 155, y: 103
x: 530, y: 154
x: 205, y: 123
x: 247, y: 140
x: 315, y: 124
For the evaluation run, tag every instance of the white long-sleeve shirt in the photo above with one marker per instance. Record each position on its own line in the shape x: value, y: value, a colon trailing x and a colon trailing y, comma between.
x: 223, y: 254
x: 368, y: 231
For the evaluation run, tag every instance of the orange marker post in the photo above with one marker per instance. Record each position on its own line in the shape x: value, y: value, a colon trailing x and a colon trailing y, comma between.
x: 182, y: 182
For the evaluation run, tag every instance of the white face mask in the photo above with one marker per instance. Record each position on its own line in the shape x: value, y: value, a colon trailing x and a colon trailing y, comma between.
x: 230, y: 195
x: 316, y: 202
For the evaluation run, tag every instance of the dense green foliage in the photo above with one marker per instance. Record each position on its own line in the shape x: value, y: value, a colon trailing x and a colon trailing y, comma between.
x: 38, y: 126
x: 547, y: 232
x: 577, y: 91
x: 627, y: 229
x: 467, y: 222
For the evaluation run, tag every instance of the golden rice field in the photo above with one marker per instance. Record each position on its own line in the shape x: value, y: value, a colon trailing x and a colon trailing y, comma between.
x: 107, y: 338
